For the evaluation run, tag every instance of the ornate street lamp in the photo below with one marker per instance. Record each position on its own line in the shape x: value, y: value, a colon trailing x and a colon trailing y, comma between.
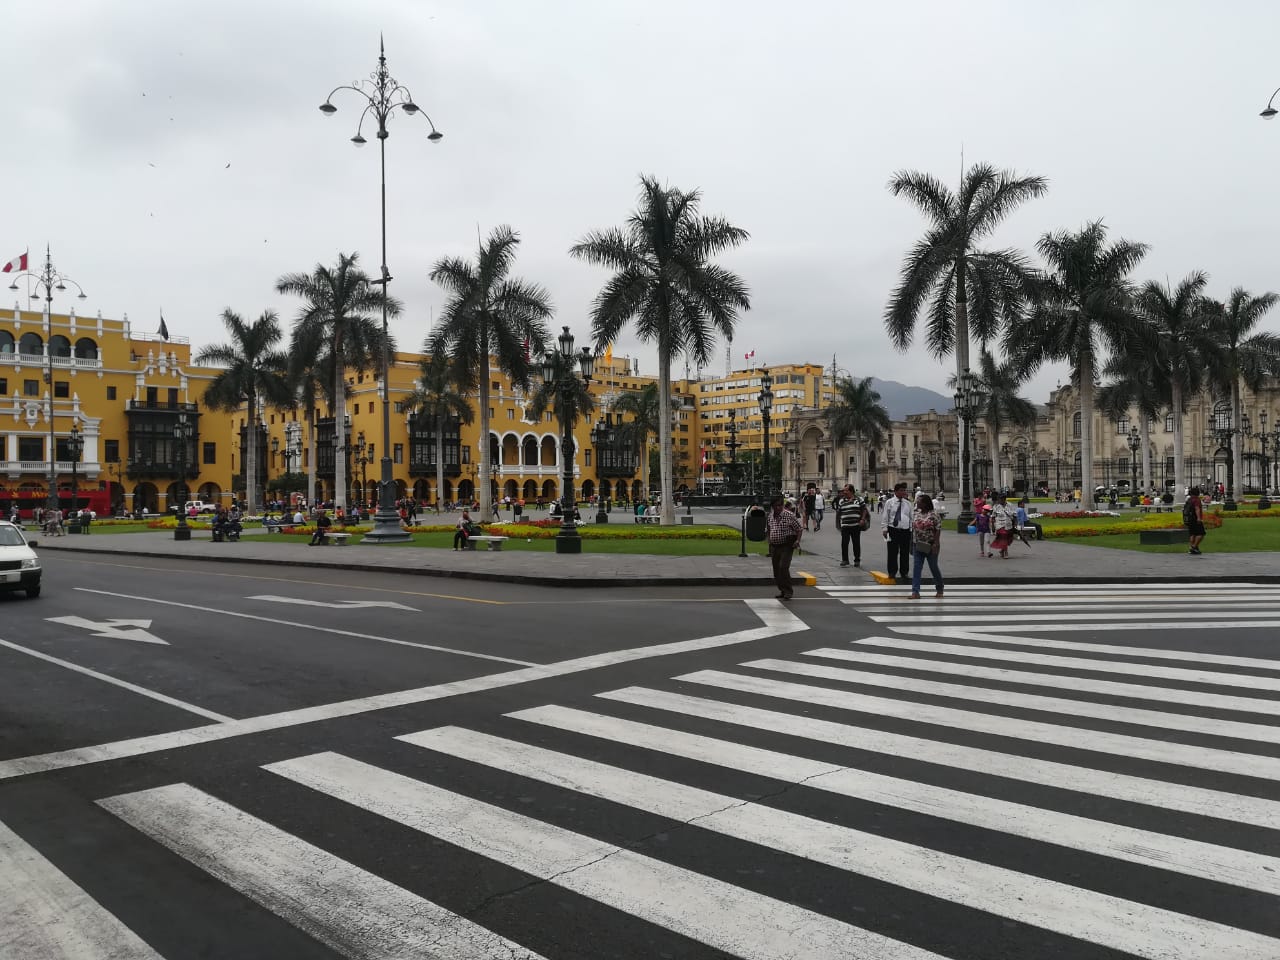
x: 917, y: 460
x: 559, y: 371
x: 1270, y: 111
x: 733, y: 446
x: 766, y: 411
x: 383, y: 96
x: 1264, y: 502
x: 183, y: 430
x: 49, y: 280
x: 365, y: 458
x: 1135, y: 444
x: 75, y: 447
x: 971, y: 396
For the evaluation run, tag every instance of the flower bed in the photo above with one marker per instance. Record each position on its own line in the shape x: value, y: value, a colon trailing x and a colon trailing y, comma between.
x: 542, y: 530
x: 1149, y: 522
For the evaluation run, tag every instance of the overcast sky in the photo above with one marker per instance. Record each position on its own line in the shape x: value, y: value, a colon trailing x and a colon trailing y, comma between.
x: 173, y: 155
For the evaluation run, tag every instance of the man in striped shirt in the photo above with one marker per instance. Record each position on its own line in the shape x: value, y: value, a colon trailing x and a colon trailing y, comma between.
x: 783, y: 529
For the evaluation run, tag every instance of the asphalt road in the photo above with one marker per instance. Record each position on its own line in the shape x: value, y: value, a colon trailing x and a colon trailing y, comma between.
x: 202, y: 761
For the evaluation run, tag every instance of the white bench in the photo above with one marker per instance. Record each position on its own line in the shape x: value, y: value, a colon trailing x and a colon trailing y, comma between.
x: 649, y: 518
x: 494, y: 543
x: 339, y: 538
x: 1156, y: 508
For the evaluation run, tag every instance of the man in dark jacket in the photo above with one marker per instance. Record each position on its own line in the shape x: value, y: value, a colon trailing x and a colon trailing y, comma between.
x: 851, y: 515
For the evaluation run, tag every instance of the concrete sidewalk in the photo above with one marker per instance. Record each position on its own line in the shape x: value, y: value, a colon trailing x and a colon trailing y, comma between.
x: 1042, y: 562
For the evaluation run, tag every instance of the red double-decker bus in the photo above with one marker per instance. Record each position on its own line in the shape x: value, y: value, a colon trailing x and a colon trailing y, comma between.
x: 28, y: 501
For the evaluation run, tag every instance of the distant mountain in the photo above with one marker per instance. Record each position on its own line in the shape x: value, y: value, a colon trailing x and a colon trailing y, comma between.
x: 900, y: 399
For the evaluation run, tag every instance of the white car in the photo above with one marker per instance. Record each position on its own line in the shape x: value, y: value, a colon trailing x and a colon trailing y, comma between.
x: 19, y: 565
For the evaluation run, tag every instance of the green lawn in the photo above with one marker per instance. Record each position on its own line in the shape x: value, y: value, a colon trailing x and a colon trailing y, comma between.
x: 1241, y: 535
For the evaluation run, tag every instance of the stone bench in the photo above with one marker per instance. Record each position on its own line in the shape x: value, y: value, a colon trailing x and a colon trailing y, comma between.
x: 1170, y: 535
x: 339, y: 538
x: 649, y: 518
x: 493, y: 543
x: 1156, y: 508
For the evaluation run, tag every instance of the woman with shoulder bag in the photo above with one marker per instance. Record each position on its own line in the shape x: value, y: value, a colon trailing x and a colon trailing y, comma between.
x: 926, y: 540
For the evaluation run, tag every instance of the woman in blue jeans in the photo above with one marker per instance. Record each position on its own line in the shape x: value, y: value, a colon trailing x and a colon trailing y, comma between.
x: 926, y: 540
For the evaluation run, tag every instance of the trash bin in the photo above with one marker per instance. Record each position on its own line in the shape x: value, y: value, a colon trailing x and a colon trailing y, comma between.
x: 754, y: 522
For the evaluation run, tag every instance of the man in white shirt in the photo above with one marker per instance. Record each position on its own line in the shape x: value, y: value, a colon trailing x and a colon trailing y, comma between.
x: 895, y: 525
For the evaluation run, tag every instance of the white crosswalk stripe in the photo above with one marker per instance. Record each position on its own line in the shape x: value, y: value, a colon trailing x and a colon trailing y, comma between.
x: 753, y: 758
x: 1068, y: 608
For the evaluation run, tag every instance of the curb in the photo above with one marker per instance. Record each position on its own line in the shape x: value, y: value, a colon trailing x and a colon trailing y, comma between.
x: 531, y: 580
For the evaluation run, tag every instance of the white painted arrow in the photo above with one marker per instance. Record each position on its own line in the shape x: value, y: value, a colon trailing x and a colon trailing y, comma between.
x: 113, y: 628
x: 337, y: 604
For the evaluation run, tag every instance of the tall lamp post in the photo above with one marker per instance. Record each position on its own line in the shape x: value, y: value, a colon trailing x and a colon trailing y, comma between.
x: 1135, y: 444
x: 567, y: 540
x: 1264, y: 502
x: 733, y: 445
x: 917, y: 459
x: 182, y: 433
x: 365, y: 458
x: 47, y: 280
x: 75, y: 447
x: 383, y: 96
x: 970, y: 397
x: 766, y: 414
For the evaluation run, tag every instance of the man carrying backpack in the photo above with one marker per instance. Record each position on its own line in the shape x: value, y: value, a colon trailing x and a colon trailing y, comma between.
x: 1193, y: 519
x: 852, y: 517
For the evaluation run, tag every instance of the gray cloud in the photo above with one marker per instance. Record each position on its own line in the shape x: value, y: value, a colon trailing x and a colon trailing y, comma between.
x: 789, y: 119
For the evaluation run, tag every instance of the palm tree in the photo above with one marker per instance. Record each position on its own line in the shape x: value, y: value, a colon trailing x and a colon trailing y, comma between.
x: 968, y: 291
x: 665, y: 280
x: 1003, y: 404
x: 856, y: 411
x: 569, y: 396
x: 310, y: 379
x: 1138, y: 378
x: 1083, y: 304
x: 643, y: 408
x: 253, y: 374
x: 1242, y: 356
x: 339, y: 307
x: 1177, y: 319
x: 490, y: 317
x: 437, y: 396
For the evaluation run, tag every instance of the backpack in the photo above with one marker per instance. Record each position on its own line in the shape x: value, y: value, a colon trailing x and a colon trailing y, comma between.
x: 1188, y: 512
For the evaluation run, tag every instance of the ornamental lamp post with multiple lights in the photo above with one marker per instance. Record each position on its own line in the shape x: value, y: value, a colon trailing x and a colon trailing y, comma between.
x: 383, y: 96
x: 733, y: 446
x: 183, y: 430
x: 49, y: 280
x: 558, y: 370
x: 970, y: 397
x: 75, y: 447
x: 364, y: 459
x: 1135, y: 444
x: 766, y: 414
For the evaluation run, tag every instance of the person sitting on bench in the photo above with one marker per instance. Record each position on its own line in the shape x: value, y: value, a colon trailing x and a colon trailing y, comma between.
x: 463, y: 532
x: 322, y: 527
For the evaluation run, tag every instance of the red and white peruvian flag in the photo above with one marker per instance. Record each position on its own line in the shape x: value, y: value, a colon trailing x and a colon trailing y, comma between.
x: 704, y: 458
x: 748, y: 356
x: 17, y: 264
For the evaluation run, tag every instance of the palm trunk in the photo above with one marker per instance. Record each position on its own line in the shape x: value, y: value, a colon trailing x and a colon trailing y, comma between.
x: 1237, y: 444
x: 439, y: 462
x: 251, y: 456
x: 340, y: 432
x: 1179, y: 459
x: 1145, y: 432
x: 962, y: 366
x: 311, y: 455
x: 1086, y: 430
x: 485, y: 499
x: 993, y: 442
x: 668, y: 513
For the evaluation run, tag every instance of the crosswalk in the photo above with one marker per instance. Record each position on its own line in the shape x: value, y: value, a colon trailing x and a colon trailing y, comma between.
x: 889, y: 798
x: 1068, y: 608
